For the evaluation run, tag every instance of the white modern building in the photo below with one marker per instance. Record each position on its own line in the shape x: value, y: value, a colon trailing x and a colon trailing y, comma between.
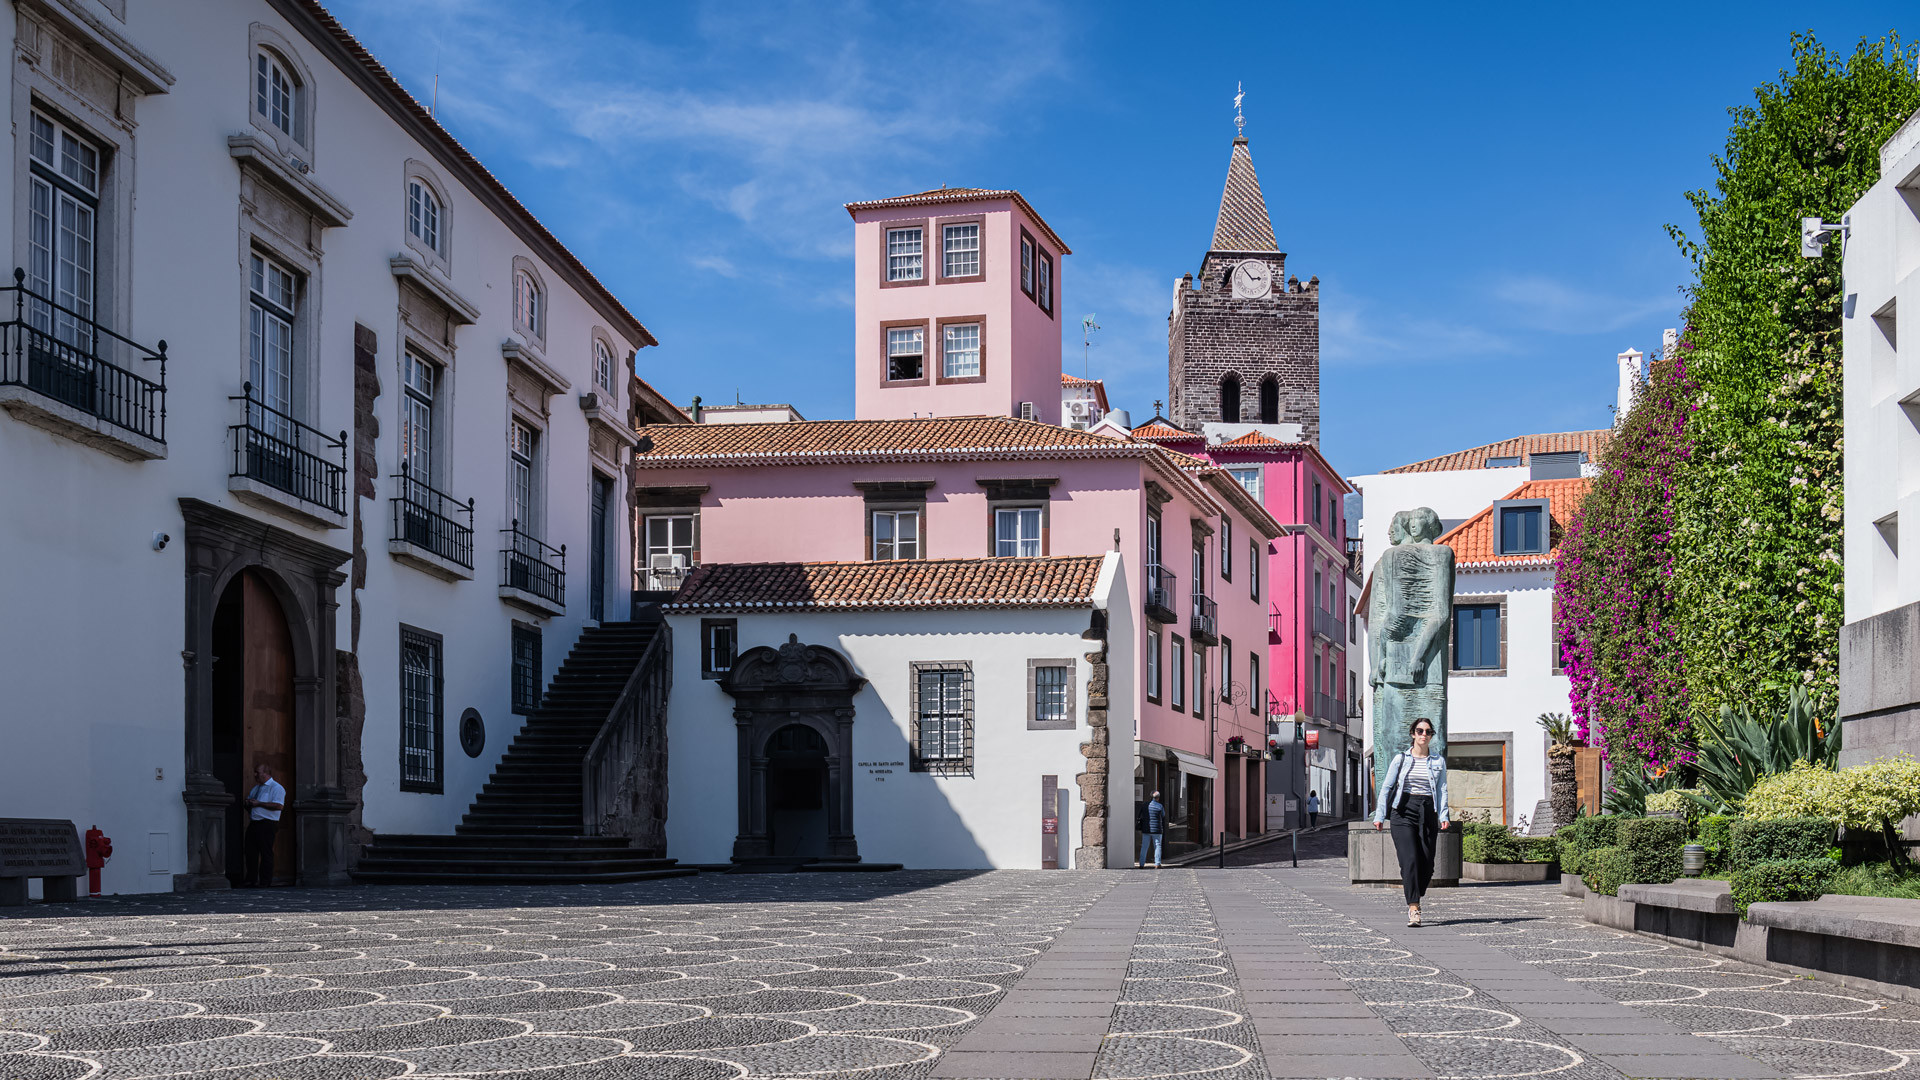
x: 975, y: 687
x: 1879, y: 697
x: 1503, y: 506
x: 315, y: 440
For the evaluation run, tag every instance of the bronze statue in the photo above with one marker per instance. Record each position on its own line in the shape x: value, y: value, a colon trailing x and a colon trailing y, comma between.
x: 1407, y: 621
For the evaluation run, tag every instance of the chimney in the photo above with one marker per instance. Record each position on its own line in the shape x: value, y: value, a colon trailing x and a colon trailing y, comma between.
x: 1631, y: 375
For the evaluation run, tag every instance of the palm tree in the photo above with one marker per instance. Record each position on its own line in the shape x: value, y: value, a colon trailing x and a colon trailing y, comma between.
x: 1562, y: 789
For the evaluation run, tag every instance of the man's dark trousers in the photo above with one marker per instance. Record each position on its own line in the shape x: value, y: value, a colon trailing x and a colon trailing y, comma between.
x: 258, y: 868
x: 1416, y: 829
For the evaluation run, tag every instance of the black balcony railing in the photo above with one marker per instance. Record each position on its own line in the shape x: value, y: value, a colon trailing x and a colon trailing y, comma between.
x: 533, y: 567
x: 427, y: 518
x: 1273, y: 627
x: 1205, y: 627
x: 1160, y: 586
x: 1327, y: 625
x: 274, y: 449
x: 71, y: 360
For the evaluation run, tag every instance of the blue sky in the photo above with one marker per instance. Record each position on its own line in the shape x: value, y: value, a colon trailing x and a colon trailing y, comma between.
x: 1481, y: 190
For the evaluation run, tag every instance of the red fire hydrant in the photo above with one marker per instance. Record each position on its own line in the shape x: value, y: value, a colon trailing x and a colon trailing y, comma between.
x: 99, y: 850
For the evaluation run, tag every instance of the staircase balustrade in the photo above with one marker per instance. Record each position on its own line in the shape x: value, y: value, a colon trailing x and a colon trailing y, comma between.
x: 634, y: 732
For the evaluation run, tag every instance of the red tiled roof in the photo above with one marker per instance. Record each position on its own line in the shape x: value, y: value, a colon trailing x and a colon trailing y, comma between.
x: 1099, y: 388
x: 821, y: 441
x: 412, y: 113
x: 1159, y: 431
x: 936, y: 196
x: 1476, y: 542
x: 1256, y: 438
x: 891, y: 585
x: 1522, y: 446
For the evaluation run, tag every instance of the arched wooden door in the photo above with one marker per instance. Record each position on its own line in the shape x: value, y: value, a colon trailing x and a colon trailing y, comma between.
x: 253, y: 710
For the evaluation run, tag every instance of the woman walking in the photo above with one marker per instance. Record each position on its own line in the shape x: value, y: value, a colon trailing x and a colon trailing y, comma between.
x: 1414, y: 794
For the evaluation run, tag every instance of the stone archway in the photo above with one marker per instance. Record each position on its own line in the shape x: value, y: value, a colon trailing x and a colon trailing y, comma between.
x: 302, y: 575
x: 774, y: 688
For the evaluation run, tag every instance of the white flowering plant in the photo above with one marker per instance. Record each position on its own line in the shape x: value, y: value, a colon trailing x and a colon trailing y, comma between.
x: 1874, y: 797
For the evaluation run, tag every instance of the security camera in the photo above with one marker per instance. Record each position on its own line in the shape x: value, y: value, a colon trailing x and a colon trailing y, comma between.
x: 1814, y: 234
x: 160, y: 541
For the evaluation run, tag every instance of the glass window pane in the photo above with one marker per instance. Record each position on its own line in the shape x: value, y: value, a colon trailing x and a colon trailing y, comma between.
x: 961, y: 351
x: 962, y: 248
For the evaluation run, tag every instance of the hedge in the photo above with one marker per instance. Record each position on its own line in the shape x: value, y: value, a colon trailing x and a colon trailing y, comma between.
x: 1581, y: 836
x: 1777, y: 839
x: 1652, y: 847
x: 1782, y: 879
x: 1482, y: 842
x: 1715, y: 833
x: 1604, y: 870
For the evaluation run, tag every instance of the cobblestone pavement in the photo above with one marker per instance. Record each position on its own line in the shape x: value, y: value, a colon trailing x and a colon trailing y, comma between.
x: 1261, y: 970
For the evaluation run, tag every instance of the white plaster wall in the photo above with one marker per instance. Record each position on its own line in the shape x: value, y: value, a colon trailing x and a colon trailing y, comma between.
x: 1514, y: 701
x: 1454, y: 495
x: 92, y: 666
x: 989, y: 819
x: 1882, y: 456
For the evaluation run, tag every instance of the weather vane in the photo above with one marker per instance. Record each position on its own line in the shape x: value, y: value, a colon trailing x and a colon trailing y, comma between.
x: 1239, y: 120
x: 1087, y: 327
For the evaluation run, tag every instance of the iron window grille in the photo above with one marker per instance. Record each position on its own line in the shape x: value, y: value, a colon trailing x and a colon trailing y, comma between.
x: 421, y: 690
x: 59, y: 354
x: 904, y: 256
x: 274, y: 449
x: 533, y: 567
x: 526, y: 668
x: 1050, y: 695
x: 943, y: 718
x: 719, y: 646
x: 426, y: 517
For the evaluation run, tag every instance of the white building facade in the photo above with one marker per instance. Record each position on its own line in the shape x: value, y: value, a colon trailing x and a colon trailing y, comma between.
x: 1879, y: 697
x: 379, y: 485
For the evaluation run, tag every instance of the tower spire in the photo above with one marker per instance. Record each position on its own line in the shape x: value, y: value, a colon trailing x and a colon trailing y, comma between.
x: 1243, y: 224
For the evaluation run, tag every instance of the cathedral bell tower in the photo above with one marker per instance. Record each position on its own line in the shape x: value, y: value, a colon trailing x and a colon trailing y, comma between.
x: 1243, y: 339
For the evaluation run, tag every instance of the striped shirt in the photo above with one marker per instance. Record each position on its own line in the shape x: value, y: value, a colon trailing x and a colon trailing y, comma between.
x: 1419, y: 777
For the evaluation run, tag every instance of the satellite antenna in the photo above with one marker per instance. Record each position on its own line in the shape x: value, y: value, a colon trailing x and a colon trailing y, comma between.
x: 1087, y: 327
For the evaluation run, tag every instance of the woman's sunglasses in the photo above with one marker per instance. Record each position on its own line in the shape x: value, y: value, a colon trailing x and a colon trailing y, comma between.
x: 1423, y: 731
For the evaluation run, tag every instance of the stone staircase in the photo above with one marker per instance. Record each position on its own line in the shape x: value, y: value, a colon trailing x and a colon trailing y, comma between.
x: 525, y: 826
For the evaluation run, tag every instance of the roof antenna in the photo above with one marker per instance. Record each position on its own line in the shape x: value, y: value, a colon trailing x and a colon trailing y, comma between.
x: 1087, y: 327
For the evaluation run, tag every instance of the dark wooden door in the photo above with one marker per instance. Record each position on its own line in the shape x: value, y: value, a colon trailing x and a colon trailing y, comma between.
x: 597, y: 553
x: 266, y: 709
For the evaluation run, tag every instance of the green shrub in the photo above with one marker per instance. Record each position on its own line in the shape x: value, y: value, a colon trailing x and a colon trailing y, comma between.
x: 1484, y: 842
x: 1781, y: 879
x: 1581, y: 836
x: 1683, y: 801
x: 1604, y: 870
x: 1539, y: 849
x: 1715, y: 833
x: 1652, y: 848
x: 1870, y: 798
x: 1777, y: 839
x: 1876, y: 879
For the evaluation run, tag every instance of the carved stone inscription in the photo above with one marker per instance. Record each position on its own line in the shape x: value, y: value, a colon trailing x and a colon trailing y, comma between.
x: 40, y: 847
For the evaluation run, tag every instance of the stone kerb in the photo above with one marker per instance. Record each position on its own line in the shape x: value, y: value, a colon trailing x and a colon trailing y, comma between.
x: 1371, y: 859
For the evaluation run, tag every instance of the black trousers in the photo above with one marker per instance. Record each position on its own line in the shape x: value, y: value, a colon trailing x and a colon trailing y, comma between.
x: 258, y: 867
x: 1416, y: 828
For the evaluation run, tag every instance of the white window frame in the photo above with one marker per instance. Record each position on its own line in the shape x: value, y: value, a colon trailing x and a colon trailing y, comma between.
x: 906, y: 253
x: 674, y: 558
x: 523, y: 476
x: 64, y: 176
x: 957, y: 244
x: 1177, y: 674
x: 603, y: 367
x: 1153, y: 662
x: 1252, y: 479
x: 952, y: 358
x: 1051, y: 689
x: 529, y: 302
x: 284, y: 116
x: 273, y: 292
x: 1023, y: 545
x: 892, y: 544
x: 903, y: 342
x: 1226, y: 548
x: 420, y: 382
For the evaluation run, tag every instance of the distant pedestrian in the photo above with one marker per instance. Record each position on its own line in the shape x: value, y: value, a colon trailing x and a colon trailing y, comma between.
x: 266, y: 800
x: 1313, y: 809
x: 1415, y: 794
x: 1151, y: 819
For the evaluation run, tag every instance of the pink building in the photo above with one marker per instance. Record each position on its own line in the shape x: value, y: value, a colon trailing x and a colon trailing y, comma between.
x: 940, y: 466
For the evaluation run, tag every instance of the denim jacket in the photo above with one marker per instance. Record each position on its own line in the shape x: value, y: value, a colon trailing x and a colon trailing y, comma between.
x: 1393, y: 788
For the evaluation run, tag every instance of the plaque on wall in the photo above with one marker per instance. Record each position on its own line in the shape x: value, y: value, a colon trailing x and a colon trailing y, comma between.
x: 40, y: 848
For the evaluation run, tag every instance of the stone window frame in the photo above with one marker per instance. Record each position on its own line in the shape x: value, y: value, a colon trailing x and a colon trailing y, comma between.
x: 1500, y: 508
x: 257, y: 238
x: 1477, y: 600
x: 536, y: 336
x: 438, y: 647
x: 925, y: 326
x: 300, y: 143
x: 1019, y: 493
x: 886, y: 227
x: 940, y: 230
x: 1072, y: 721
x: 944, y: 766
x: 599, y: 337
x: 519, y: 629
x: 439, y: 256
x: 936, y: 365
x: 891, y: 495
x: 1153, y: 668
x: 1029, y: 267
x: 1044, y: 266
x: 708, y: 670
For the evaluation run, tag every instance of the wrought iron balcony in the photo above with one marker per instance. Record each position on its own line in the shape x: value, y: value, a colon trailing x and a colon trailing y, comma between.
x: 1327, y: 708
x: 426, y: 518
x: 1274, y: 619
x: 61, y: 370
x: 273, y: 449
x: 533, y: 568
x: 1326, y: 626
x: 1159, y: 599
x: 1205, y: 626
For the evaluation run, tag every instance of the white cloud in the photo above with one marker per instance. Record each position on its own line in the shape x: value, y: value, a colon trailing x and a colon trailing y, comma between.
x: 1543, y: 303
x: 1353, y: 333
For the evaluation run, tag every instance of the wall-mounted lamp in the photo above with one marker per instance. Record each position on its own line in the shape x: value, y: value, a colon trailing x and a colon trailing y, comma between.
x: 1814, y: 234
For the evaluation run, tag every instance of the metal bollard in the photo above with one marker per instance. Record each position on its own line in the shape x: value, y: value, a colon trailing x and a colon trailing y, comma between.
x: 1296, y: 849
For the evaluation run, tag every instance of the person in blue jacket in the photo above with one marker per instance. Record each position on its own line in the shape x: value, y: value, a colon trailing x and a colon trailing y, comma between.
x: 1414, y: 794
x: 1151, y: 820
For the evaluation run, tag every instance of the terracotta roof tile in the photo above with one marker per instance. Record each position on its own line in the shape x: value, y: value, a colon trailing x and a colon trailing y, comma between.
x: 819, y: 441
x: 1476, y: 542
x: 1157, y: 430
x: 1054, y: 581
x: 936, y: 196
x: 1243, y: 224
x: 1256, y: 438
x: 1522, y: 446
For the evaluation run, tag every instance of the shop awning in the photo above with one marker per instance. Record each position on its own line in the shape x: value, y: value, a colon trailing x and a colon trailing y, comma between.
x: 1189, y: 762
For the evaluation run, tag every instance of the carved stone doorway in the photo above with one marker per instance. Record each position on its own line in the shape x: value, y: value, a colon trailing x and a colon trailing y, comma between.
x: 810, y: 687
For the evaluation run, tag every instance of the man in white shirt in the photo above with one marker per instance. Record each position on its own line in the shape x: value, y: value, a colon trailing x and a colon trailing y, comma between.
x: 265, y: 801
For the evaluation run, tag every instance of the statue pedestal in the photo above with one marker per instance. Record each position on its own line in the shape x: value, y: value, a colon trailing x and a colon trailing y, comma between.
x: 1371, y: 859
